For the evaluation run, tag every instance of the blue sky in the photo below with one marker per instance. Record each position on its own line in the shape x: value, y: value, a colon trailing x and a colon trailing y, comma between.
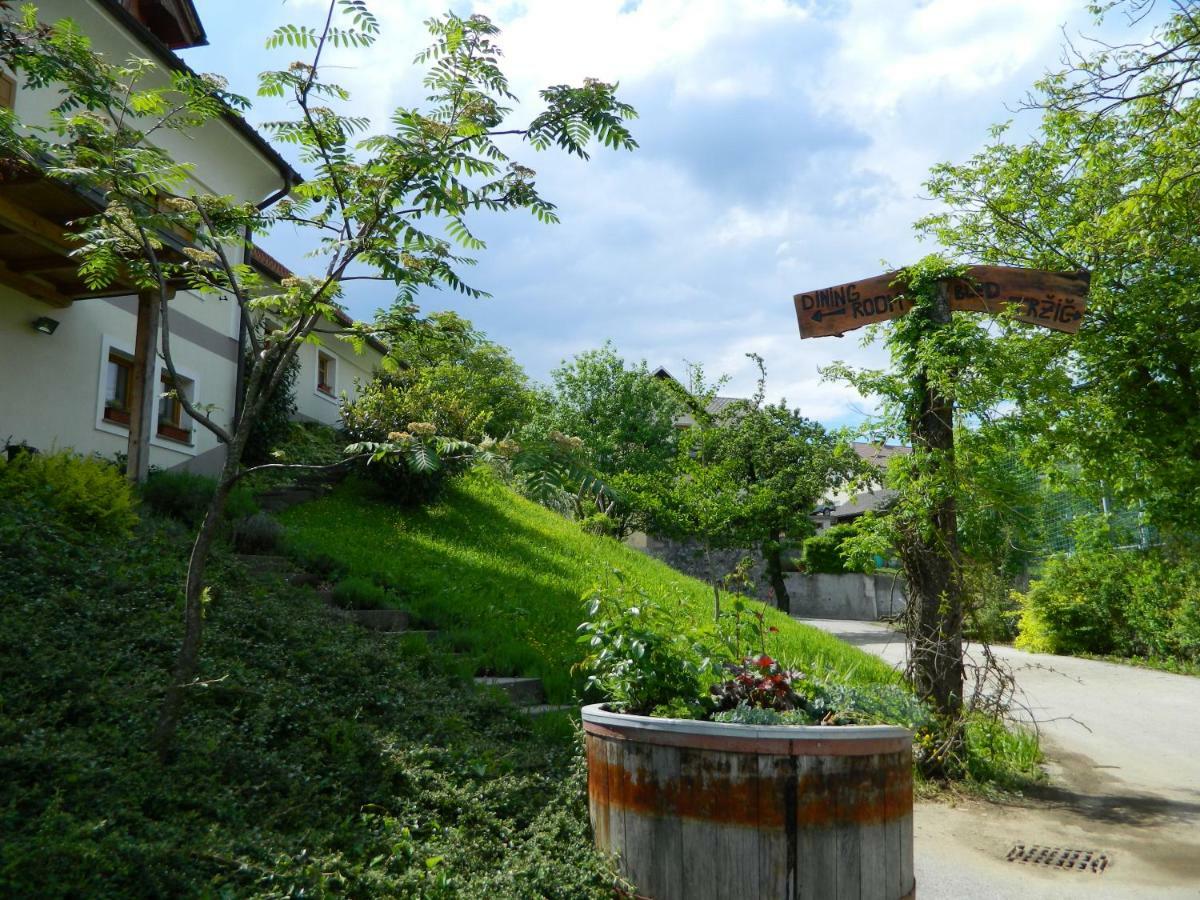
x: 783, y: 147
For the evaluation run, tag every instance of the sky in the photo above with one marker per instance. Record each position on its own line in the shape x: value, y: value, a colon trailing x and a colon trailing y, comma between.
x: 783, y: 147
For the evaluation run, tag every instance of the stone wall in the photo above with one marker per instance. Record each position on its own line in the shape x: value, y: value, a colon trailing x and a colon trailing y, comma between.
x: 851, y: 596
x: 689, y: 558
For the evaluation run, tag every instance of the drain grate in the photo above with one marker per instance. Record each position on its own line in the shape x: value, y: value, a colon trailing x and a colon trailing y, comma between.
x: 1059, y: 858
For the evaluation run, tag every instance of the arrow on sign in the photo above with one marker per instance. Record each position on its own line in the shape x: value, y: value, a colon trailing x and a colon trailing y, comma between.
x: 828, y: 313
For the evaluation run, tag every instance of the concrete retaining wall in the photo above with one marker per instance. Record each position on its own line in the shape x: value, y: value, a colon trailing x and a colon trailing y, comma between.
x: 852, y: 596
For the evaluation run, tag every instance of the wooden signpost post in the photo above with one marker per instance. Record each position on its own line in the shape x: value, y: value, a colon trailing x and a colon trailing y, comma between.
x: 1052, y: 300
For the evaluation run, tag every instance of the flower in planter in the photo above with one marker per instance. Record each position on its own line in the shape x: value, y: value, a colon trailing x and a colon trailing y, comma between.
x: 759, y: 682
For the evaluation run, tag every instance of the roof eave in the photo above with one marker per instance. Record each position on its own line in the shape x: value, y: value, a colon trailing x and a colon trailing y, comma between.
x: 172, y: 60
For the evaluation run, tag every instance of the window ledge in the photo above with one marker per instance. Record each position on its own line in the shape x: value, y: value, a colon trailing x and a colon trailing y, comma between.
x: 175, y: 435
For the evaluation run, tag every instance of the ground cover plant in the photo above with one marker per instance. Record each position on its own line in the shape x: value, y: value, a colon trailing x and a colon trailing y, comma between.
x: 316, y: 758
x: 503, y: 578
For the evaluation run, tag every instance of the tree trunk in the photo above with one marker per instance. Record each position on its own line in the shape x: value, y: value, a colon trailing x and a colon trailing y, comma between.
x: 187, y: 662
x: 931, y: 564
x: 773, y: 555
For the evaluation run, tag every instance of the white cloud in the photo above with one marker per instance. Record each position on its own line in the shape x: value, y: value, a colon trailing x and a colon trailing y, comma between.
x: 783, y: 150
x: 891, y: 53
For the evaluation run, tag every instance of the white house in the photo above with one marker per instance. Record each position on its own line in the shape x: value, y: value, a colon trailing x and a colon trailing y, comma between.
x: 77, y: 358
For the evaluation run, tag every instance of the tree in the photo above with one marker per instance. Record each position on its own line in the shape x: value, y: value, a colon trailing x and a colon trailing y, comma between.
x: 750, y: 475
x: 442, y: 370
x: 1108, y: 183
x: 394, y: 204
x: 942, y: 374
x: 624, y: 415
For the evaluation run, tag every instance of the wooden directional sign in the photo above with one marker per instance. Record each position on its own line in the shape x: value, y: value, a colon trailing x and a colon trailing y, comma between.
x: 1054, y: 300
x: 848, y: 306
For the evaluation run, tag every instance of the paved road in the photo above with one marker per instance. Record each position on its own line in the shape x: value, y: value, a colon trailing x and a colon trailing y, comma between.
x: 1123, y: 752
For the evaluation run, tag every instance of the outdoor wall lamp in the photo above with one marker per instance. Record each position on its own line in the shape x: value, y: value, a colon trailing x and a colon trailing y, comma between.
x: 45, y: 324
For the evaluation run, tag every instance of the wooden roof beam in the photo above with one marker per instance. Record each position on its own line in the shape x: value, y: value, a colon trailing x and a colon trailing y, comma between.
x: 33, y: 287
x: 37, y: 228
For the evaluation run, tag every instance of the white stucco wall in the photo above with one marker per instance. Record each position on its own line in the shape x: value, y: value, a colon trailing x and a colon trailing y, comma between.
x: 225, y: 162
x: 351, y: 370
x: 54, y: 397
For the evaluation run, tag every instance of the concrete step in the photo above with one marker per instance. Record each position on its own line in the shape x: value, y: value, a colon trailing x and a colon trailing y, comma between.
x: 542, y: 709
x: 521, y: 691
x: 275, y: 500
x: 265, y: 564
x: 377, y: 619
x: 321, y: 477
x: 428, y: 634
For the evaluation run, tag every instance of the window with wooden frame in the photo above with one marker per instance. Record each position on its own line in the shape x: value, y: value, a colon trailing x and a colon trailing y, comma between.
x: 173, y: 423
x: 326, y: 373
x: 118, y: 388
x: 8, y: 90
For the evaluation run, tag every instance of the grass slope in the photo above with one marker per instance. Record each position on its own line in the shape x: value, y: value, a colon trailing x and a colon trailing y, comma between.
x: 504, y: 578
x: 319, y: 759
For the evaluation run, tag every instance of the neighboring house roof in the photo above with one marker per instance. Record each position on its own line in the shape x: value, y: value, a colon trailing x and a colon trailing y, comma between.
x: 167, y: 56
x: 273, y: 268
x: 713, y: 407
x: 865, y: 502
x: 879, y: 454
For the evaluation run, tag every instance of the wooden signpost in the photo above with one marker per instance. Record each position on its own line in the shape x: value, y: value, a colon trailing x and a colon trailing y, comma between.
x: 1053, y: 300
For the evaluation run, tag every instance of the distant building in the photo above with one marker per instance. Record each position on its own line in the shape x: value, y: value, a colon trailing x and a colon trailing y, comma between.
x: 842, y: 506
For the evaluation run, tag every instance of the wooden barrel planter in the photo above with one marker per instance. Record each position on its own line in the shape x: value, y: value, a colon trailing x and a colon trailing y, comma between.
x: 705, y: 810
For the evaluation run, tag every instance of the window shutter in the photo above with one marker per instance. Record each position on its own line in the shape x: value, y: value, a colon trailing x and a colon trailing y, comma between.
x: 8, y: 91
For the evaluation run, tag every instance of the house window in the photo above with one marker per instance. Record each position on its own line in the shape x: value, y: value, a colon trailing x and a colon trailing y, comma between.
x: 117, y: 388
x: 8, y: 91
x: 326, y: 373
x: 173, y: 422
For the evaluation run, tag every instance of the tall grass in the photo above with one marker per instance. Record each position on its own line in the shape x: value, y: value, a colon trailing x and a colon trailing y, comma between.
x: 503, y: 579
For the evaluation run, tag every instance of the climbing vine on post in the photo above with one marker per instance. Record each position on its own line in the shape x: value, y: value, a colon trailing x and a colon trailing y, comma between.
x: 930, y: 350
x: 943, y: 367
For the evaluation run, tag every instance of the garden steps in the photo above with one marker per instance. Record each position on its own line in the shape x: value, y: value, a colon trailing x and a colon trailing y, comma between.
x: 266, y: 564
x: 521, y: 691
x: 542, y: 709
x: 276, y: 500
x: 307, y: 486
x: 387, y: 620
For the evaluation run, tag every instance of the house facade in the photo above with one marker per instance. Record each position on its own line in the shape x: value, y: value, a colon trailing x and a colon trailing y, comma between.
x: 86, y: 365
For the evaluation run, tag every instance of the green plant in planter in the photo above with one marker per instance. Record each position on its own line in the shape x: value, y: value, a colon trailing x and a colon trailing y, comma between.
x: 742, y: 629
x: 640, y: 653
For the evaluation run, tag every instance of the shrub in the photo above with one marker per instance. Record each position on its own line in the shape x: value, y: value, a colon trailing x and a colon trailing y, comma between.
x: 640, y: 655
x: 822, y: 553
x: 991, y: 611
x: 274, y: 421
x: 258, y: 533
x: 87, y: 495
x: 382, y: 409
x: 1105, y: 601
x: 301, y: 443
x: 320, y: 564
x: 601, y: 525
x: 359, y: 593
x: 184, y: 496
